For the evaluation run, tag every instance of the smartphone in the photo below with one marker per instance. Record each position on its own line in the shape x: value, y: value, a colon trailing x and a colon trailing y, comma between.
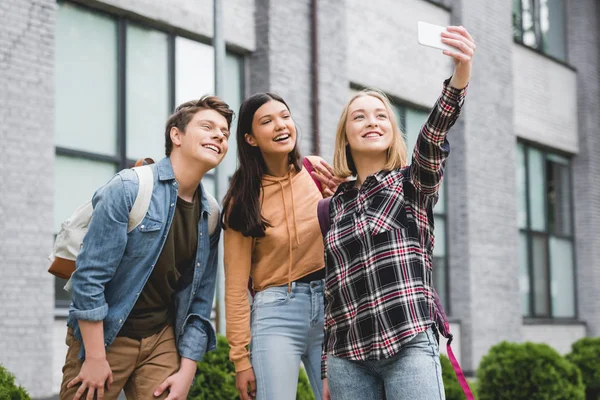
x: 431, y: 35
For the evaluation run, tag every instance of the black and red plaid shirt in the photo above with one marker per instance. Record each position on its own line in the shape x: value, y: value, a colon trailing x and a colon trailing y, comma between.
x: 379, y: 249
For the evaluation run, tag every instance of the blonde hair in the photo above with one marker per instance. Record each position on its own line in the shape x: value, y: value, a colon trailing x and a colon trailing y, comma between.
x: 343, y: 164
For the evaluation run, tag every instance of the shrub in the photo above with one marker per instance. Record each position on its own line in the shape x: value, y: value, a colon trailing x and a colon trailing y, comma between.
x: 215, y: 377
x: 451, y: 386
x: 585, y: 353
x: 9, y: 389
x: 527, y: 371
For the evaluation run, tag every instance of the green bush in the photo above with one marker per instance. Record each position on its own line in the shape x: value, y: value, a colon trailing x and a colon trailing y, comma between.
x: 527, y: 371
x: 451, y: 385
x: 8, y: 389
x: 215, y: 377
x: 585, y: 353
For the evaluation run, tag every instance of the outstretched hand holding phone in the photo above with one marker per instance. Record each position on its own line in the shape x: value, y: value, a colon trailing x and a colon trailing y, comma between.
x: 456, y: 42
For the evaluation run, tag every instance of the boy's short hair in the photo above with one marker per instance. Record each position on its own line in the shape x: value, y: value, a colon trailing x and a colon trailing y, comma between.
x: 185, y: 112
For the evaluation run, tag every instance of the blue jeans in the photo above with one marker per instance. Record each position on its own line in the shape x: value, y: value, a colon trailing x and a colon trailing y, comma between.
x: 415, y: 373
x: 287, y: 327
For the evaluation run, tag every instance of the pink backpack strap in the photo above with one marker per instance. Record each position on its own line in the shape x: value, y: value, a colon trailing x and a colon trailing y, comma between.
x: 459, y: 373
x: 309, y: 168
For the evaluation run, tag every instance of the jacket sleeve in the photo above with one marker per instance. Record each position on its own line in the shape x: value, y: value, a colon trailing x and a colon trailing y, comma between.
x: 198, y: 333
x: 101, y: 252
x: 238, y: 256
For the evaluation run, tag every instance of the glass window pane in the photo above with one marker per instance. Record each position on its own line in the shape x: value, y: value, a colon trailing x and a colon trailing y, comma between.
x: 563, y: 283
x: 517, y: 21
x: 440, y: 236
x: 86, y: 81
x: 75, y: 181
x: 208, y: 182
x: 537, y: 194
x: 540, y: 276
x: 528, y: 20
x: 234, y: 93
x: 194, y: 70
x: 440, y: 276
x: 524, y: 283
x: 62, y: 298
x: 147, y: 92
x: 559, y: 195
x: 414, y: 121
x: 552, y: 26
x: 521, y: 187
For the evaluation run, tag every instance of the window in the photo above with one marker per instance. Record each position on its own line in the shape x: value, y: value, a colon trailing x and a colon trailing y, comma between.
x: 546, y: 254
x: 411, y: 120
x: 540, y: 24
x: 116, y: 83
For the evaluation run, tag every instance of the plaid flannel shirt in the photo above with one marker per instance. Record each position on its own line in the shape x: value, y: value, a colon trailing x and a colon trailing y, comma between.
x: 379, y: 249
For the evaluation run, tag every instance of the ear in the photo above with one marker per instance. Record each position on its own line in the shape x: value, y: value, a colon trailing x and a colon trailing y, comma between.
x: 175, y: 136
x: 250, y: 140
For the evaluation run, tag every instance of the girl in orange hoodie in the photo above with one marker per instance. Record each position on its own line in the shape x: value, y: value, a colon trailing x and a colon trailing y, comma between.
x: 272, y: 236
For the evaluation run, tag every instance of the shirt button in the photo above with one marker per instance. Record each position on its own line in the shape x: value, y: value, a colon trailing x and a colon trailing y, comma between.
x: 120, y: 321
x: 172, y: 204
x: 198, y: 264
x: 200, y: 233
x: 142, y: 226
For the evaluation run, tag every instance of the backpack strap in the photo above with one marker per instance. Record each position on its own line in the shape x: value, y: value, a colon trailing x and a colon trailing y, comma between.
x: 310, y: 169
x: 142, y: 200
x: 213, y: 218
x: 323, y: 214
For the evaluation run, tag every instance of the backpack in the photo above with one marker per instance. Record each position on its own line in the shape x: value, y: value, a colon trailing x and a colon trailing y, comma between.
x: 440, y: 317
x: 70, y: 238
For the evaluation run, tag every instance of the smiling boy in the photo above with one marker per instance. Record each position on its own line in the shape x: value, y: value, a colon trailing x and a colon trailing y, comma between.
x: 140, y: 312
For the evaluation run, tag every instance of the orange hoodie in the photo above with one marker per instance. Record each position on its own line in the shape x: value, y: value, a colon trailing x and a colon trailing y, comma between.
x: 290, y: 249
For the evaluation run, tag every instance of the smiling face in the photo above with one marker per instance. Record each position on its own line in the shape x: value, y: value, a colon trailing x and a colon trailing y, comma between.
x: 368, y: 126
x: 273, y: 129
x: 205, y: 138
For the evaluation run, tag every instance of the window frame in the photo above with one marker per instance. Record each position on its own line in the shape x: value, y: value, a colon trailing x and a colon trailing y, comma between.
x: 119, y: 160
x: 538, y: 34
x: 547, y: 234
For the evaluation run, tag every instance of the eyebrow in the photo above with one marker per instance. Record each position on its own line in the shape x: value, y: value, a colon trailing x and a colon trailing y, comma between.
x: 271, y: 115
x: 362, y: 110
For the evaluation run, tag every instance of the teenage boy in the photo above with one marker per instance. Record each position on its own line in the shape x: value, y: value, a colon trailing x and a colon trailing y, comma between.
x: 140, y: 313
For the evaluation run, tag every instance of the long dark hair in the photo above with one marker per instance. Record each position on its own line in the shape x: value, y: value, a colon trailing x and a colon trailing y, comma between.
x: 241, y: 206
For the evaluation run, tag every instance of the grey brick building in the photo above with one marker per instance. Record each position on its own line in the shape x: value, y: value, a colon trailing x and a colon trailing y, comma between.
x: 85, y: 87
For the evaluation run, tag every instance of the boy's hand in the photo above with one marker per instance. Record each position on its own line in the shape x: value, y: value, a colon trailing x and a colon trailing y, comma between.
x: 180, y: 382
x: 94, y: 374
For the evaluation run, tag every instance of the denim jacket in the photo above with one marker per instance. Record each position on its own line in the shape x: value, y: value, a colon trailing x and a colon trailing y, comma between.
x: 113, y: 266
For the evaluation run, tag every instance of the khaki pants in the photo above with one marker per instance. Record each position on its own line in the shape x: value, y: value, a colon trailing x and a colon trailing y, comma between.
x: 138, y: 366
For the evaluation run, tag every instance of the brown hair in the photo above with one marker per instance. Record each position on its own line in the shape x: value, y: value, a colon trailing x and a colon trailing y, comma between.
x: 343, y: 164
x: 185, y: 112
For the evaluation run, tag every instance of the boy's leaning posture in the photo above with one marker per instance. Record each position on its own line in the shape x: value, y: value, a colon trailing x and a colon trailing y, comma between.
x: 140, y: 314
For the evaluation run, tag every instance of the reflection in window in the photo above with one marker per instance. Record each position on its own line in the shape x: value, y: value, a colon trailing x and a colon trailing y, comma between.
x: 540, y: 24
x: 195, y: 74
x: 147, y: 92
x: 546, y: 259
x: 86, y: 81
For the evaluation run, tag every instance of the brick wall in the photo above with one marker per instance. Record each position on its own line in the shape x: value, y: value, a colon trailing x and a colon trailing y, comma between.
x: 584, y: 54
x: 26, y: 139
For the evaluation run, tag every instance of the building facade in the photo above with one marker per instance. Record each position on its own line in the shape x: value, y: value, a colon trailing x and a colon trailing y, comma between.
x: 86, y: 86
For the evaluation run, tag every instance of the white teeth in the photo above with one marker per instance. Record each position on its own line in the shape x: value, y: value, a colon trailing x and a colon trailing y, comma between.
x: 281, y: 137
x: 211, y: 147
x: 370, y: 135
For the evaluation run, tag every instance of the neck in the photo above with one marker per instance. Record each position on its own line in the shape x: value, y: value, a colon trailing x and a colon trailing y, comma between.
x: 277, y: 164
x: 188, y: 174
x: 367, y: 164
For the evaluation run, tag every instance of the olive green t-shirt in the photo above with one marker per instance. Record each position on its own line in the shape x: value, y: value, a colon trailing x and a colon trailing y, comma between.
x: 154, y: 308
